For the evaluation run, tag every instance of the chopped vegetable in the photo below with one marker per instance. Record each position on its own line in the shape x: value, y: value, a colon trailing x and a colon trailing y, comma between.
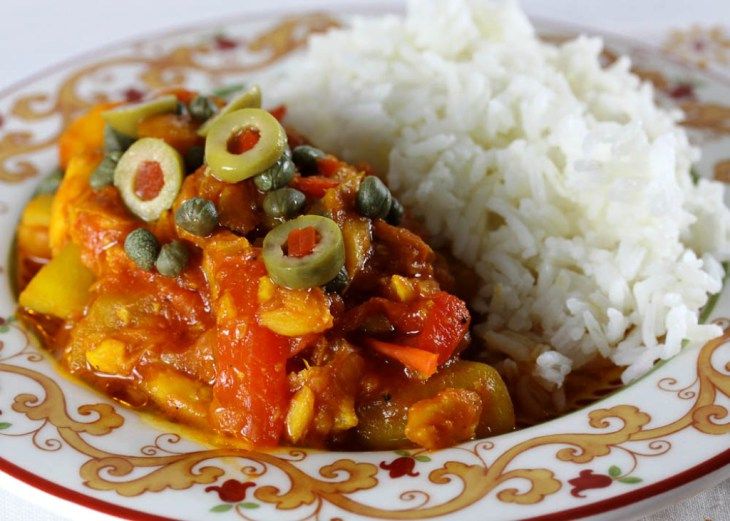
x: 248, y: 99
x: 50, y: 183
x: 173, y: 259
x: 176, y: 130
x: 319, y: 267
x: 142, y: 248
x: 197, y: 216
x: 202, y: 108
x: 328, y: 165
x: 277, y: 176
x: 444, y: 326
x: 126, y: 118
x: 83, y: 137
x: 300, y: 414
x: 306, y: 157
x: 301, y: 241
x: 61, y: 287
x: 103, y: 175
x: 419, y: 360
x: 448, y: 418
x: 293, y: 312
x: 373, y: 198
x: 33, y: 234
x: 148, y: 176
x: 231, y: 167
x: 314, y: 186
x: 284, y: 202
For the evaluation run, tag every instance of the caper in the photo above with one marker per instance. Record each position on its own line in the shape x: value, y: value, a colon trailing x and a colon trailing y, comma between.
x: 339, y: 283
x: 395, y: 215
x: 202, y: 108
x: 115, y: 141
x: 198, y: 216
x: 194, y: 158
x: 305, y: 157
x: 103, y: 175
x: 172, y: 259
x: 142, y: 247
x: 284, y: 202
x: 50, y: 183
x: 276, y: 176
x: 373, y: 198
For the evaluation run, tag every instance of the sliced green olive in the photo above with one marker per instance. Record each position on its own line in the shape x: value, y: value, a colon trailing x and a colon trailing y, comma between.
x: 125, y: 118
x: 373, y: 198
x: 142, y: 247
x: 149, y: 175
x: 276, y: 176
x: 172, y: 259
x: 284, y: 202
x: 198, y: 216
x: 232, y: 168
x: 248, y: 99
x: 317, y: 268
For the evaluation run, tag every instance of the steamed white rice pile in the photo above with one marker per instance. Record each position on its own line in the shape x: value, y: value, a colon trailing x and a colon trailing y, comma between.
x: 561, y: 182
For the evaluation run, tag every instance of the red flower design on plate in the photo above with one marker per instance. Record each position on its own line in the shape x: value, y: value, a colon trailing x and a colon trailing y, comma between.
x: 232, y: 491
x: 132, y: 95
x: 223, y: 42
x: 587, y: 479
x: 404, y: 465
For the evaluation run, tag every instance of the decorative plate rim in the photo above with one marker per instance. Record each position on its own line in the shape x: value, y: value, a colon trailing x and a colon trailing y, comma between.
x: 612, y: 503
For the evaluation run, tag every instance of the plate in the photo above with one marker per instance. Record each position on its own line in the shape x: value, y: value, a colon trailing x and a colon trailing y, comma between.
x: 65, y: 446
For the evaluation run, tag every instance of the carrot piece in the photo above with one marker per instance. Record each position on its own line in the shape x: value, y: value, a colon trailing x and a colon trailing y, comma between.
x: 419, y: 360
x: 328, y: 165
x: 314, y: 186
x: 243, y: 141
x: 301, y: 242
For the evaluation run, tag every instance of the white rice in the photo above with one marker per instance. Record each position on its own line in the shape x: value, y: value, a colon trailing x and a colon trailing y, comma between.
x: 561, y: 182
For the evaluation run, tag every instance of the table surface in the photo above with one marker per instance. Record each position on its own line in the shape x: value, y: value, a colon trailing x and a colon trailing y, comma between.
x: 63, y: 29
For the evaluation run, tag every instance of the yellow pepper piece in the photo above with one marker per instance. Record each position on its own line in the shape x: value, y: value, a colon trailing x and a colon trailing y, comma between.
x: 61, y: 287
x: 402, y: 288
x: 75, y: 185
x: 33, y: 228
x: 109, y: 356
x: 293, y: 312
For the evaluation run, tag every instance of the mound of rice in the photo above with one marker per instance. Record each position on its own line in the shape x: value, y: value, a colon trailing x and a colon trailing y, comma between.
x: 562, y: 183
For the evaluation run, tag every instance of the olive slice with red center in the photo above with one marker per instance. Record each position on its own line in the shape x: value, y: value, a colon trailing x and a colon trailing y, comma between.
x: 149, y: 175
x: 243, y: 143
x: 317, y: 257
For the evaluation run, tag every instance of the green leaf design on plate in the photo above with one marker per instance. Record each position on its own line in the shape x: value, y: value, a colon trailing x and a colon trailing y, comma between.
x: 4, y: 425
x: 4, y: 329
x: 224, y: 507
x: 249, y: 506
x: 614, y: 471
x: 422, y: 459
x: 630, y: 480
x: 403, y: 453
